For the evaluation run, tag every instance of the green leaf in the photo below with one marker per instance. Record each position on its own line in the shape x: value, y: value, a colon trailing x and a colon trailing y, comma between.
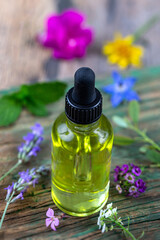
x: 9, y: 111
x: 120, y: 121
x: 134, y: 111
x: 36, y: 108
x: 143, y: 149
x: 123, y: 141
x: 47, y: 92
x: 153, y: 155
x: 21, y: 94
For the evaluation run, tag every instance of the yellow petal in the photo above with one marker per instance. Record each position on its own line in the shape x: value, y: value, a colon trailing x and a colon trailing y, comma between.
x: 123, y: 63
x: 113, y: 58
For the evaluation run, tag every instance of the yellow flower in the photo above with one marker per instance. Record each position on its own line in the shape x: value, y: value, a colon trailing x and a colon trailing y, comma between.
x: 122, y: 52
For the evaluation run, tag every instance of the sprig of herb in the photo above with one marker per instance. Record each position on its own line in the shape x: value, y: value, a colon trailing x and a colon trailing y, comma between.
x: 28, y: 148
x: 108, y: 220
x: 34, y: 97
x: 17, y: 189
x: 150, y: 148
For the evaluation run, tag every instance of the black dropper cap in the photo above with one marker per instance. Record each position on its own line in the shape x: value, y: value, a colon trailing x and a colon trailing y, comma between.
x: 83, y: 103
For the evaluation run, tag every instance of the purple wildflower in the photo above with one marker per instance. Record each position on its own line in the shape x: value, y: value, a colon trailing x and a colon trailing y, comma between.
x: 132, y: 165
x: 33, y: 151
x: 117, y: 169
x: 9, y: 190
x: 119, y: 189
x: 134, y: 194
x: 51, y: 219
x: 21, y: 148
x: 121, y: 89
x: 31, y: 145
x: 141, y: 185
x: 30, y: 136
x: 132, y: 189
x: 39, y: 140
x: 126, y: 179
x: 37, y: 129
x: 136, y: 170
x: 66, y: 35
x: 25, y: 176
x: 19, y: 196
x: 124, y: 168
x: 129, y: 177
x: 116, y: 176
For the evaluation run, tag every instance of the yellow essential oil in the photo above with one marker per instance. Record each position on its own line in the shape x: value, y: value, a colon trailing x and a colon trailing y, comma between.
x: 82, y: 139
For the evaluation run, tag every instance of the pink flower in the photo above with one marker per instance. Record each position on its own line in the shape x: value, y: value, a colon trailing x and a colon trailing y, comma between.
x: 119, y: 189
x: 66, y: 35
x: 51, y: 219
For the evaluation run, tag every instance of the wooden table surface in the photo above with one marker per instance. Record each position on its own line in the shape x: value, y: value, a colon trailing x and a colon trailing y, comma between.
x: 23, y: 61
x: 26, y: 219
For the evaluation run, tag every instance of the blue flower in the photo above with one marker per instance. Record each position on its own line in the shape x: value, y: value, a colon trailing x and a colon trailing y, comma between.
x: 121, y: 89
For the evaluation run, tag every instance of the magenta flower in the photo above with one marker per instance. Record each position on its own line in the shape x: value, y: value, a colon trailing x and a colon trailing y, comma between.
x: 125, y: 168
x: 66, y: 35
x: 116, y: 175
x: 117, y: 169
x: 136, y: 170
x: 141, y: 185
x: 51, y: 219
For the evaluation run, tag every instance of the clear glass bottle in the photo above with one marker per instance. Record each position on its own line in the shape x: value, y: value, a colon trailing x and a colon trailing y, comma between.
x: 81, y: 154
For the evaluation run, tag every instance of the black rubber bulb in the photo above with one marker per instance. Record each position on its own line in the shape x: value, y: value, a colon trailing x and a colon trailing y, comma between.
x: 84, y: 86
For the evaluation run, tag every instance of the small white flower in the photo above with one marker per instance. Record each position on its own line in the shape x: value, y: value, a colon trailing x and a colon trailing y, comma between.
x: 114, y: 210
x: 103, y: 228
x: 120, y: 220
x: 109, y: 206
x: 102, y: 213
x: 99, y: 222
x: 108, y: 213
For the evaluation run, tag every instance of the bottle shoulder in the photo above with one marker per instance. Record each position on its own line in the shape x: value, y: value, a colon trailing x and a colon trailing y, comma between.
x: 69, y: 135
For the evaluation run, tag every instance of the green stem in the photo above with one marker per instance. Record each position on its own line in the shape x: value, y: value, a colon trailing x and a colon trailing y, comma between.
x: 142, y: 30
x: 126, y: 230
x: 10, y: 170
x: 146, y: 138
x: 5, y: 210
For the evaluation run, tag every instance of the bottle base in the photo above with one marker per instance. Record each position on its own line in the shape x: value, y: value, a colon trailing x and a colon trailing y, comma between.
x: 79, y: 214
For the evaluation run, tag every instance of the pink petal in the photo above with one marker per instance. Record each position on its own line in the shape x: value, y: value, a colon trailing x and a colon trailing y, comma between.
x: 53, y: 227
x: 85, y: 34
x: 48, y: 221
x: 50, y: 212
x: 56, y: 221
x: 55, y: 34
x: 72, y: 18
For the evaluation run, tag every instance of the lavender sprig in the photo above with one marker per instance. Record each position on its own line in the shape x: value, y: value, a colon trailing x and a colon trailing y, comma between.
x: 16, y: 190
x: 128, y: 180
x: 108, y: 220
x: 28, y: 148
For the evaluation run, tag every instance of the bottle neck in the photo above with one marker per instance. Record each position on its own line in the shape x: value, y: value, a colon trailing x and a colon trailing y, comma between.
x: 82, y: 127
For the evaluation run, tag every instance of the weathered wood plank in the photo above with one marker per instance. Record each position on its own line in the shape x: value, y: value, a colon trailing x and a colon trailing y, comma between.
x: 23, y: 61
